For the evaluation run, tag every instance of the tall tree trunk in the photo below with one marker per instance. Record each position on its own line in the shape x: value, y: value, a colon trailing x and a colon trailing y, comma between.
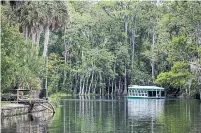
x: 38, y: 37
x: 80, y: 85
x: 152, y: 62
x: 83, y: 85
x: 70, y: 74
x: 122, y: 88
x: 200, y: 93
x: 133, y: 48
x: 197, y: 37
x: 100, y: 83
x: 126, y: 23
x: 126, y: 32
x: 33, y: 39
x: 108, y: 88
x: 125, y: 79
x: 26, y: 32
x: 119, y: 85
x: 92, y: 76
x: 75, y: 86
x: 86, y: 88
x: 47, y: 33
x: 115, y: 86
x: 38, y: 33
x: 133, y: 31
x: 114, y: 77
x: 126, y: 27
x: 65, y: 60
x: 45, y: 53
x: 46, y: 85
x: 94, y: 89
x: 112, y: 86
x: 153, y: 44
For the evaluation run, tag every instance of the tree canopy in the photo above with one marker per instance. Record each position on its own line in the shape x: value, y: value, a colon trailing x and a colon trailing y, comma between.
x: 101, y: 47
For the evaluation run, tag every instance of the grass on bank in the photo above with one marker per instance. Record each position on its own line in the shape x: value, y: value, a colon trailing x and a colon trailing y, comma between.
x: 58, y: 96
x: 5, y: 103
x: 55, y: 98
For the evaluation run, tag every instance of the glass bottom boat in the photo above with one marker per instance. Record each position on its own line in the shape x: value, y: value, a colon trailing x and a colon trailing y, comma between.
x: 153, y: 92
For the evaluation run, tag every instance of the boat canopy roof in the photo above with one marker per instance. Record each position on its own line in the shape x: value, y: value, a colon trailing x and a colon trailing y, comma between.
x: 134, y: 87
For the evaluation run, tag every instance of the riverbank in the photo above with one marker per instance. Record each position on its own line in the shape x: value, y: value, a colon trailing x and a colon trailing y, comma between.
x: 14, y: 109
x: 24, y: 123
x: 10, y: 108
x: 55, y: 98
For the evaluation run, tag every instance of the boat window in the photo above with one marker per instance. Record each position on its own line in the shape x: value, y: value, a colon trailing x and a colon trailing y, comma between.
x: 162, y: 93
x: 142, y: 94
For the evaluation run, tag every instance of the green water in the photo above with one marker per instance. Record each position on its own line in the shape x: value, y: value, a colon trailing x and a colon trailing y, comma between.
x: 116, y: 115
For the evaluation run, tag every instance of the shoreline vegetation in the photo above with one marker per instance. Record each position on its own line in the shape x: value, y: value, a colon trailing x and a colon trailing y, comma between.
x: 53, y: 98
x: 5, y: 103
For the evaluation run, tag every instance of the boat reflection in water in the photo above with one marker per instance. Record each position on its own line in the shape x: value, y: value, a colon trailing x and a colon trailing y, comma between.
x: 143, y: 114
x: 112, y: 115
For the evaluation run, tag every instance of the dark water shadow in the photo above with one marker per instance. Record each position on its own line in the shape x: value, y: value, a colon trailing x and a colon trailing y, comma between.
x: 28, y: 123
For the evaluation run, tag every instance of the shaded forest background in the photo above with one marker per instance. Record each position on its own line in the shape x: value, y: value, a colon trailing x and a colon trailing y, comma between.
x: 101, y: 47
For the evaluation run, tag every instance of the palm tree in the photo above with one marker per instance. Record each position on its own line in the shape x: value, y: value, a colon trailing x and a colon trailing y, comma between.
x: 35, y: 16
x: 55, y: 16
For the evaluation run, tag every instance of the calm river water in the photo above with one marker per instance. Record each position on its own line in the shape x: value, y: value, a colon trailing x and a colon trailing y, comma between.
x: 111, y: 115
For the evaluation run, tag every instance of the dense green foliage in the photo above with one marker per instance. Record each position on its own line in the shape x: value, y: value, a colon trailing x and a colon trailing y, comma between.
x: 102, y: 47
x: 21, y: 66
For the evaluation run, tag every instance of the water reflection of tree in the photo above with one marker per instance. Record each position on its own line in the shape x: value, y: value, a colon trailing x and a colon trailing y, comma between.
x: 91, y: 116
x: 180, y: 116
x: 56, y: 123
x: 106, y: 116
x: 29, y: 123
